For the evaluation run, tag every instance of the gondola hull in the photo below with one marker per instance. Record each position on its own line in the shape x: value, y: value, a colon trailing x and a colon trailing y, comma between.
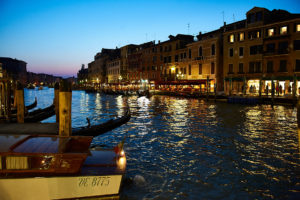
x: 102, y: 128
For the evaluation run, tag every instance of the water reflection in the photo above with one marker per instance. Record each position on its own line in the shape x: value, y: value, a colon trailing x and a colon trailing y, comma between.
x: 193, y: 149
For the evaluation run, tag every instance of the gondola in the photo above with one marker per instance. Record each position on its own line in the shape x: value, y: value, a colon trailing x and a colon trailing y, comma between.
x: 37, y: 115
x: 102, y: 128
x: 29, y: 107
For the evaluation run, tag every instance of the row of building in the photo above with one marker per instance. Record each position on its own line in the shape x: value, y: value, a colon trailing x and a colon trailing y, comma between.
x: 240, y: 56
x: 16, y: 70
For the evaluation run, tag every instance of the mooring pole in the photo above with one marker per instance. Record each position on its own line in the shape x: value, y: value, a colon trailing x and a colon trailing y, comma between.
x: 20, y: 102
x: 298, y: 121
x: 207, y: 87
x: 56, y: 100
x: 65, y: 101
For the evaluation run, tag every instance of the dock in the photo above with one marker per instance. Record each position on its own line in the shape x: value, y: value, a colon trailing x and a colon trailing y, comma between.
x: 29, y: 128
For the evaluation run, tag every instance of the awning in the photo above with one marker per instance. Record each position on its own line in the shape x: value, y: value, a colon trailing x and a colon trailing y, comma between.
x: 183, y: 82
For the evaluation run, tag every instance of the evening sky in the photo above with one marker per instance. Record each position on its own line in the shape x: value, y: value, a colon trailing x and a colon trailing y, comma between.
x: 57, y: 36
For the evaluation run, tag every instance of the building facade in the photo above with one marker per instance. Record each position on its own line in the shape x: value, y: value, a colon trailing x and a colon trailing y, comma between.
x: 260, y: 50
x: 253, y: 56
x: 15, y: 69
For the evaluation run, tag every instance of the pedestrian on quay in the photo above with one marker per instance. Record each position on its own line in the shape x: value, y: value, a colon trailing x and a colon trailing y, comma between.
x: 280, y: 89
x: 267, y: 90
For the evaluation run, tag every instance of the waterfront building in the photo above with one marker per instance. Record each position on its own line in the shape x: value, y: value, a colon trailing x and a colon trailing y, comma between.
x: 15, y: 69
x: 82, y: 75
x: 134, y: 66
x: 205, y: 61
x: 262, y: 48
x: 41, y: 78
x: 125, y: 52
x: 97, y: 68
x: 113, y: 69
x: 173, y: 56
x: 150, y: 66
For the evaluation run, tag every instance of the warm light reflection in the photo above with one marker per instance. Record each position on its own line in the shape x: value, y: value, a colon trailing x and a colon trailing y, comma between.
x: 121, y: 163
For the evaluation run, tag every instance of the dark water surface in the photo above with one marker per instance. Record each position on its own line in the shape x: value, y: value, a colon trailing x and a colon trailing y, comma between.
x: 193, y: 149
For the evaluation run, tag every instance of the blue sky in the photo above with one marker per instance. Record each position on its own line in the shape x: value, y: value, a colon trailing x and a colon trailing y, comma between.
x: 57, y: 36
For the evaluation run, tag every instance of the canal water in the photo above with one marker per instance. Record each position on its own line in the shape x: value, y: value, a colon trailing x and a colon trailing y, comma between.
x: 193, y: 149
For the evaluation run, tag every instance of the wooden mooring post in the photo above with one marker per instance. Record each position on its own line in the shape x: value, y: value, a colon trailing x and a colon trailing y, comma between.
x: 20, y: 102
x: 56, y: 100
x: 298, y: 121
x: 5, y: 101
x: 65, y: 104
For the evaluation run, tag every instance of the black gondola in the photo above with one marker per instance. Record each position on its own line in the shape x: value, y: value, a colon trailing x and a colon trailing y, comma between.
x: 37, y: 115
x: 33, y: 105
x: 102, y: 128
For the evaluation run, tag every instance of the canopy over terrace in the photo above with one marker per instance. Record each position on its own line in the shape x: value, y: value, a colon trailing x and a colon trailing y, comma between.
x: 183, y: 82
x: 197, y: 85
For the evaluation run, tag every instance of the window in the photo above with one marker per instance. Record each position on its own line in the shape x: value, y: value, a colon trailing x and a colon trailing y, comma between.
x: 283, y: 47
x: 176, y: 58
x: 170, y: 59
x: 200, y: 69
x: 241, y: 68
x: 254, y: 34
x: 241, y: 51
x: 231, y: 52
x: 242, y: 36
x: 251, y: 67
x: 251, y: 18
x: 298, y: 28
x: 283, y: 30
x: 154, y: 59
x: 212, y: 68
x: 176, y: 46
x: 190, y: 53
x: 190, y: 70
x: 230, y: 69
x: 231, y: 38
x: 200, y: 51
x: 213, y: 49
x: 297, y: 68
x: 271, y: 32
x: 282, y: 66
x: 253, y: 50
x: 296, y: 44
x: 258, y: 34
x: 257, y: 67
x: 269, y: 66
x: 271, y: 48
x: 258, y: 16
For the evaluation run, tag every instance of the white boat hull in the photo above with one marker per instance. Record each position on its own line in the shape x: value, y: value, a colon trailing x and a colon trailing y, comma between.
x: 38, y: 188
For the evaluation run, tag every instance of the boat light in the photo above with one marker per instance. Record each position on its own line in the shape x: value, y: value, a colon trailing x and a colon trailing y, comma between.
x: 121, y: 162
x: 122, y: 153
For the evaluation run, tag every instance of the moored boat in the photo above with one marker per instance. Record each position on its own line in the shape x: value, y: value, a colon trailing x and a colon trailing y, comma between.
x: 55, y: 167
x: 99, y: 129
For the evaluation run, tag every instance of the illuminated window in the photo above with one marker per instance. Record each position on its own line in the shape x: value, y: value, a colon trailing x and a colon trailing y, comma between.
x: 298, y: 27
x: 271, y: 31
x: 258, y: 34
x: 231, y: 38
x: 242, y: 36
x: 283, y: 30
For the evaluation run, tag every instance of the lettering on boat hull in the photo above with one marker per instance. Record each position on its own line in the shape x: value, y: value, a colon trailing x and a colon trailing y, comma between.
x: 59, y: 187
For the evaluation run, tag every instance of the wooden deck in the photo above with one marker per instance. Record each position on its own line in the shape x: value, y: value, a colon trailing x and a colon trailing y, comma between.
x: 29, y: 129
